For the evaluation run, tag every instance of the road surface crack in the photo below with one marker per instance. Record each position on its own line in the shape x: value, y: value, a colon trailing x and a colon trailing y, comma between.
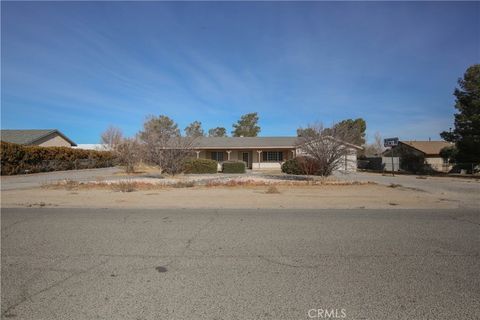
x: 25, y: 296
x: 197, y: 233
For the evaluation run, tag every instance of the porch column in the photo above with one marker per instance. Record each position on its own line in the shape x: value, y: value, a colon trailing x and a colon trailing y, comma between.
x: 228, y: 154
x: 293, y: 154
x: 259, y: 157
x: 198, y: 154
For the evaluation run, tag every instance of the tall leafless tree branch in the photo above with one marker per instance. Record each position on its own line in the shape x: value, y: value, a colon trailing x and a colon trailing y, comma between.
x: 163, y: 145
x: 111, y: 137
x: 326, y: 146
x: 128, y: 153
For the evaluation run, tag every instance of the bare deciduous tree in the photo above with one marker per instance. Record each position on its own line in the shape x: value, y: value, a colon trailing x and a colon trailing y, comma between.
x: 307, y: 165
x: 172, y: 157
x: 326, y: 146
x: 376, y: 148
x: 128, y: 153
x: 163, y: 145
x: 111, y: 137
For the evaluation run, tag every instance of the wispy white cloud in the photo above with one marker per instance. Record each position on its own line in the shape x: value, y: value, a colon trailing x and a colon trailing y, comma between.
x: 293, y: 63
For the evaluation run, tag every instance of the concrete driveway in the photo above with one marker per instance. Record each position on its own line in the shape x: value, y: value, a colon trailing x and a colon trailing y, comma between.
x: 240, y: 264
x: 463, y: 189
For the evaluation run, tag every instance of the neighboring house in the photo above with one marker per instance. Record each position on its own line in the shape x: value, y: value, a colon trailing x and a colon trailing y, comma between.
x: 259, y: 152
x: 43, y: 138
x: 429, y: 150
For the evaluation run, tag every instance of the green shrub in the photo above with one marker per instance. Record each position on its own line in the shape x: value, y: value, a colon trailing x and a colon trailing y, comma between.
x: 233, y: 167
x: 449, y: 153
x: 300, y: 166
x: 17, y: 159
x: 291, y: 167
x: 200, y: 166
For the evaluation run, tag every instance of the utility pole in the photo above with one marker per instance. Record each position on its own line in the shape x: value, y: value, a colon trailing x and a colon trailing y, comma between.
x: 393, y: 164
x: 392, y: 143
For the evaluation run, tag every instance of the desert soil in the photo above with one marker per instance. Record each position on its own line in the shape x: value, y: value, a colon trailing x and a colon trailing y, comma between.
x: 368, y: 196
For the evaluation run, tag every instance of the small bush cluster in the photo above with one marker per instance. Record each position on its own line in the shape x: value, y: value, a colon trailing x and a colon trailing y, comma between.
x: 17, y: 159
x: 301, y: 166
x: 272, y: 190
x: 183, y: 184
x: 394, y: 185
x: 233, y: 167
x: 200, y: 166
x: 291, y: 167
x: 71, y: 185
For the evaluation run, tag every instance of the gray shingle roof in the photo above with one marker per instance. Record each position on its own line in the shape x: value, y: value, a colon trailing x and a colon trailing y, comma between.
x: 245, y: 142
x: 29, y: 136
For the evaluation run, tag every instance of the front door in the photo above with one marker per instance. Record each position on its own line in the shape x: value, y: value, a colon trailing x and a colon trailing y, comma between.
x: 246, y: 158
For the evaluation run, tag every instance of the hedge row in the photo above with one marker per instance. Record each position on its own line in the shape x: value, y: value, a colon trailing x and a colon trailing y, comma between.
x: 210, y: 166
x: 17, y: 159
x: 200, y: 166
x: 233, y: 167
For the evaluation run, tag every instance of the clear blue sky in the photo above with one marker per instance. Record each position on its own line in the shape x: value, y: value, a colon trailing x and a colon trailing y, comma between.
x: 82, y: 66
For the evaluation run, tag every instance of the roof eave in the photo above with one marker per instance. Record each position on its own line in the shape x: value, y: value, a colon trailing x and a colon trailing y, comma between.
x: 410, y: 146
x: 73, y: 144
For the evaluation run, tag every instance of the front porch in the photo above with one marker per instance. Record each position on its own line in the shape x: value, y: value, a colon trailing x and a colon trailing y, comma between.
x: 255, y: 159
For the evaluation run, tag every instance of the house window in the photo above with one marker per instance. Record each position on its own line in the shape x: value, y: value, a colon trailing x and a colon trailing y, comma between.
x: 217, y: 156
x: 272, y: 156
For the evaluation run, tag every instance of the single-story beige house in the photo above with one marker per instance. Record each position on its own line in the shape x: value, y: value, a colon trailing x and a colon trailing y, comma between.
x: 259, y: 152
x: 42, y: 138
x: 430, y: 150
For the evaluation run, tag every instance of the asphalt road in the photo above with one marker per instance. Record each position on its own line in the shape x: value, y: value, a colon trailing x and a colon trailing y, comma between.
x: 240, y: 264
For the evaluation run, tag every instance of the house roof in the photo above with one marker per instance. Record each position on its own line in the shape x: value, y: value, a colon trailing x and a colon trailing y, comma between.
x: 244, y: 142
x: 428, y: 147
x: 27, y: 137
x: 249, y: 143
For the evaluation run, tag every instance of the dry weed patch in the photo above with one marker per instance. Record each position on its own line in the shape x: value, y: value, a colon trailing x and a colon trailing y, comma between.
x: 272, y: 190
x: 290, y: 183
x: 71, y: 185
x: 395, y: 185
x: 130, y: 185
x: 124, y: 186
x: 183, y: 184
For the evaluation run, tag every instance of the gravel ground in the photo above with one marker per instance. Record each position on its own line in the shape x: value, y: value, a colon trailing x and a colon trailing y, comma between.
x: 459, y: 188
x: 34, y: 180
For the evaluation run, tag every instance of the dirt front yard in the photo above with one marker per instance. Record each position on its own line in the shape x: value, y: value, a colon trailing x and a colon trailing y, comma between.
x: 317, y: 196
x: 108, y: 189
